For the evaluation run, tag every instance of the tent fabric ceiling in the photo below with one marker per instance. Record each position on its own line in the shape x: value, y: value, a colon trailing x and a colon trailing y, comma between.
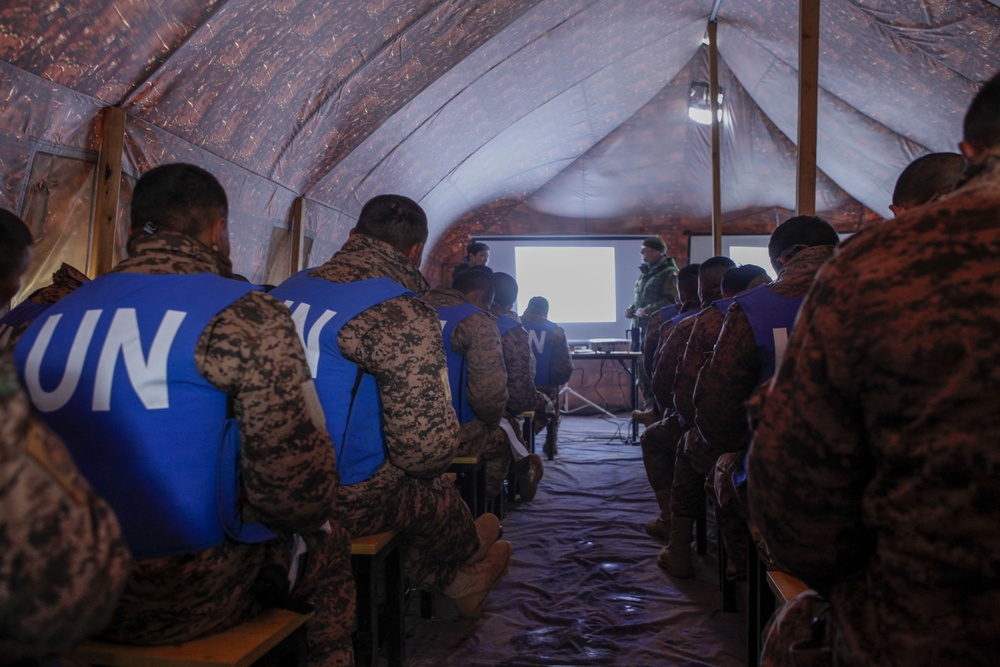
x: 565, y: 112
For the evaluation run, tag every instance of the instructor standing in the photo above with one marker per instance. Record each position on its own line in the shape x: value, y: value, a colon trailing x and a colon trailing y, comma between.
x: 655, y: 288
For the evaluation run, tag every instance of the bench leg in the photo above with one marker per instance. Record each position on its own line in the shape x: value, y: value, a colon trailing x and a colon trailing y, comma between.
x: 395, y: 634
x: 366, y: 635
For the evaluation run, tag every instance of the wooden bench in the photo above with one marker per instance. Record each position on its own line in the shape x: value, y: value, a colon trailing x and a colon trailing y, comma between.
x: 240, y: 646
x: 368, y: 554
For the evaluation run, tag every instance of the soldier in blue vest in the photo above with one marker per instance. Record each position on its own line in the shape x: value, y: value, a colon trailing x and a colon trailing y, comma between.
x: 185, y: 398
x: 476, y: 373
x: 659, y: 458
x: 752, y: 337
x: 376, y: 353
x: 63, y: 561
x: 874, y: 474
x: 520, y: 364
x: 553, y: 364
x: 12, y: 325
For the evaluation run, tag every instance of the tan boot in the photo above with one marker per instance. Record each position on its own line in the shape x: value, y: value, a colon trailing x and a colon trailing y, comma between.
x: 658, y: 528
x: 645, y: 417
x: 527, y: 483
x: 473, y: 583
x: 675, y: 558
x: 488, y: 529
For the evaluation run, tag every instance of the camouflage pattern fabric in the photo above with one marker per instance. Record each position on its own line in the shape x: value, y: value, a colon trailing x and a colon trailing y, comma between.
x: 875, y: 471
x: 520, y: 364
x: 665, y: 371
x: 64, y: 281
x: 655, y: 288
x: 796, y: 635
x: 250, y: 351
x: 477, y: 338
x: 399, y: 341
x: 659, y: 454
x: 62, y: 555
x: 652, y: 345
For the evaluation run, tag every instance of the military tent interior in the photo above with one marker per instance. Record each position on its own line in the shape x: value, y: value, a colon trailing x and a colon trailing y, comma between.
x: 498, y: 116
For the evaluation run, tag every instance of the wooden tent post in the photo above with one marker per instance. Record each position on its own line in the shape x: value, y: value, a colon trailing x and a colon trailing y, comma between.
x: 109, y: 178
x: 297, y: 232
x: 805, y: 192
x: 713, y: 94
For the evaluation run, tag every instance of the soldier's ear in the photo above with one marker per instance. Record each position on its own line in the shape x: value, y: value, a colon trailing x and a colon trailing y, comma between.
x: 416, y: 254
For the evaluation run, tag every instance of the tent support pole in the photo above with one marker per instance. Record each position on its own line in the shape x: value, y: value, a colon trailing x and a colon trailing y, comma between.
x: 805, y: 195
x: 713, y: 94
x: 109, y: 178
x: 298, y: 218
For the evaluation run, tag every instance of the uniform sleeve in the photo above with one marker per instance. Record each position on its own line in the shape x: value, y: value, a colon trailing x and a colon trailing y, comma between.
x: 651, y: 342
x: 251, y: 352
x: 662, y: 290
x: 666, y: 365
x: 62, y: 555
x: 520, y: 364
x: 698, y: 350
x: 486, y: 388
x: 562, y: 367
x: 725, y: 383
x: 808, y: 466
x: 407, y: 359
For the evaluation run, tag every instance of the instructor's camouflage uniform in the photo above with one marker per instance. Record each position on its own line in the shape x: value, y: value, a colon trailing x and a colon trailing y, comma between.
x: 251, y: 352
x: 399, y: 341
x: 875, y: 472
x: 477, y: 339
x: 62, y: 557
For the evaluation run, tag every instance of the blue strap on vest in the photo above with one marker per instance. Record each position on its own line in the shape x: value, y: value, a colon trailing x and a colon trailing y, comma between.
x: 111, y: 368
x: 458, y: 379
x: 668, y: 312
x: 505, y: 323
x: 26, y: 311
x: 680, y: 317
x: 539, y: 336
x: 771, y: 317
x: 723, y: 304
x: 349, y: 396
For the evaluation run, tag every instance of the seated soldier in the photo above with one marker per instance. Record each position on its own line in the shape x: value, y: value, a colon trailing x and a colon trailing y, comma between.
x: 63, y: 560
x: 521, y: 392
x: 476, y: 372
x: 553, y: 363
x: 171, y: 386
x: 377, y: 355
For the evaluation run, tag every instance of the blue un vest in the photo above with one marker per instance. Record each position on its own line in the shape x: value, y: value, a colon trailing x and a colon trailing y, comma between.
x: 723, y: 304
x: 668, y: 312
x: 458, y: 378
x: 505, y: 323
x: 680, y: 317
x: 349, y: 396
x: 111, y: 368
x: 771, y: 317
x: 26, y: 311
x: 539, y: 337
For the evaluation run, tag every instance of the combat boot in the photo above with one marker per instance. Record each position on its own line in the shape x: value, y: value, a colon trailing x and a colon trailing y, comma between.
x: 488, y: 528
x: 645, y: 417
x: 675, y: 558
x: 473, y: 583
x: 660, y: 526
x: 527, y: 481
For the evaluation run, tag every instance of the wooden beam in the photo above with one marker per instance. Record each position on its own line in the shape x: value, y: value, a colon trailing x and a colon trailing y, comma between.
x: 805, y: 192
x: 109, y: 178
x: 298, y: 234
x: 713, y: 94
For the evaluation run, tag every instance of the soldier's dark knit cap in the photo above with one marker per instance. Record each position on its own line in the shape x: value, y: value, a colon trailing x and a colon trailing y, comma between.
x: 656, y: 243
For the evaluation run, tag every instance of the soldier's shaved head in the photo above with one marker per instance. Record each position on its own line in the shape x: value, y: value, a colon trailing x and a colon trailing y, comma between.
x: 925, y: 179
x: 394, y: 219
x: 710, y: 276
x: 981, y: 129
x: 798, y: 233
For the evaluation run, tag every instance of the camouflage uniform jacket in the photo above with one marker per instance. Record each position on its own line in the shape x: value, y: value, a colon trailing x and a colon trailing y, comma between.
x: 250, y: 351
x: 669, y: 357
x: 730, y: 376
x: 705, y: 327
x: 655, y: 288
x: 476, y: 337
x: 561, y: 368
x: 658, y: 332
x: 875, y: 471
x: 62, y: 555
x: 64, y: 281
x: 520, y: 363
x: 399, y: 342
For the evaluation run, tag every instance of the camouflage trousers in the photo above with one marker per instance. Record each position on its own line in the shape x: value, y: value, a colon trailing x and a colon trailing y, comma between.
x: 493, y: 447
x: 439, y: 531
x: 693, y: 461
x: 797, y: 636
x: 730, y: 512
x: 176, y: 599
x: 659, y: 452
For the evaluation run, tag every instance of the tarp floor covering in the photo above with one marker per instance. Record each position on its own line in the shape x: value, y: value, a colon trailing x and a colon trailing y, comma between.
x: 584, y: 588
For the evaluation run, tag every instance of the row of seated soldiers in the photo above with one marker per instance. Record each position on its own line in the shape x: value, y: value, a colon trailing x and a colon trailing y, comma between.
x: 172, y: 436
x: 848, y: 409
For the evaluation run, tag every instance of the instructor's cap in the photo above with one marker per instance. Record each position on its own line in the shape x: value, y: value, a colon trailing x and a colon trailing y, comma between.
x: 656, y: 243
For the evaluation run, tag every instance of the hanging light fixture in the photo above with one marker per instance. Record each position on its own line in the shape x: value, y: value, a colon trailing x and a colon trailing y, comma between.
x: 699, y: 103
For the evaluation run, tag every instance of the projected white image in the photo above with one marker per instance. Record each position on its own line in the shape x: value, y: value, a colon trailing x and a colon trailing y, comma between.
x: 578, y: 282
x: 752, y: 255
